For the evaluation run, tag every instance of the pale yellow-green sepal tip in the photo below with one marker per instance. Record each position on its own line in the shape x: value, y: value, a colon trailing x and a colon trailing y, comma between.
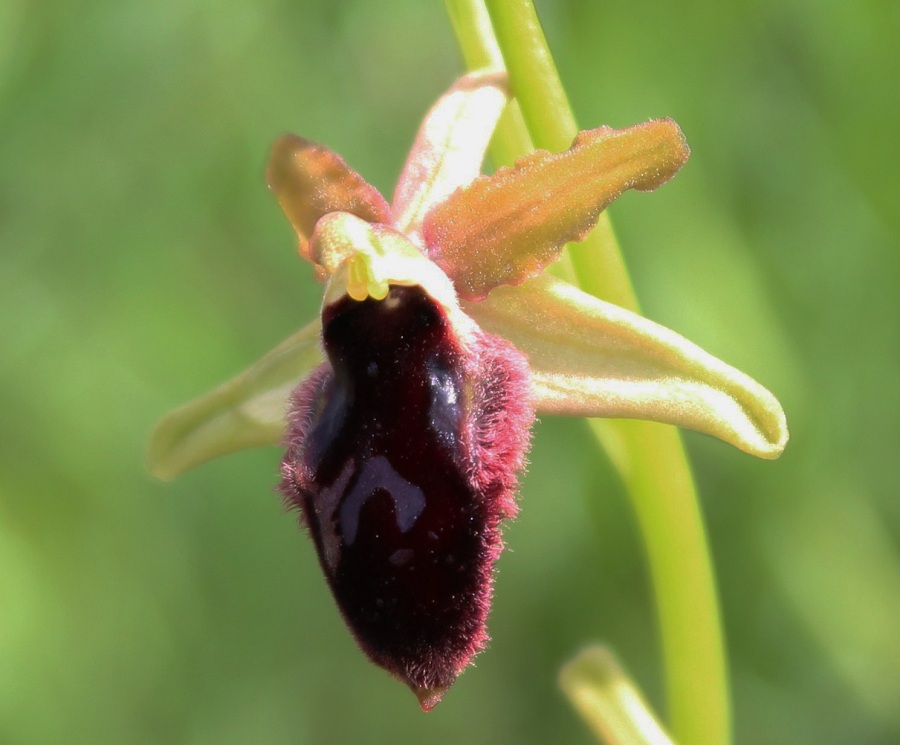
x: 609, y: 701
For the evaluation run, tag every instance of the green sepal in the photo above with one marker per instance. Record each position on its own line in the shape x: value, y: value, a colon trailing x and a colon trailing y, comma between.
x: 248, y: 411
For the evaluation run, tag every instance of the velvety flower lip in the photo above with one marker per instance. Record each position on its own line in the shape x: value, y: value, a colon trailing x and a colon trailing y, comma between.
x: 442, y: 336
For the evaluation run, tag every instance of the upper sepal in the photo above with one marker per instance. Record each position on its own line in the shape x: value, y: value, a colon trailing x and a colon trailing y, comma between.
x: 449, y: 146
x: 505, y: 228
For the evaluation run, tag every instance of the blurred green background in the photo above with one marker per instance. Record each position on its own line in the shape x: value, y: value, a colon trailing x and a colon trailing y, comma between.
x: 142, y: 261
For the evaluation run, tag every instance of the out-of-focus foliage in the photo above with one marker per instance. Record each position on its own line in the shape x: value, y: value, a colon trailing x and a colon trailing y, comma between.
x: 142, y: 261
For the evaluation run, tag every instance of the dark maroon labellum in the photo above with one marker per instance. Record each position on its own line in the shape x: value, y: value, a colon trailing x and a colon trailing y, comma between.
x: 402, y: 457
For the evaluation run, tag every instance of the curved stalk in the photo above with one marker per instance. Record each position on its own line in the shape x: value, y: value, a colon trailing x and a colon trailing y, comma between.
x: 650, y: 457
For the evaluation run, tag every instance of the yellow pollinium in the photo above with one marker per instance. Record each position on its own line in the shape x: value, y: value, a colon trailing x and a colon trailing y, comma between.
x: 362, y: 280
x: 362, y: 260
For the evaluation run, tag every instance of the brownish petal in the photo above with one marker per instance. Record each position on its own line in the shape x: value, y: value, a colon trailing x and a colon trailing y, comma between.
x: 505, y: 228
x: 310, y: 181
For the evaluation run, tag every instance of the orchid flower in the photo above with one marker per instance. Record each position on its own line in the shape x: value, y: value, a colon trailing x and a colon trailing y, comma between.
x: 406, y: 408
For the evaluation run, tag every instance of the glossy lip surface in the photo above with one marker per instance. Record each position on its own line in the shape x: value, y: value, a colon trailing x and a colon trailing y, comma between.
x: 382, y: 468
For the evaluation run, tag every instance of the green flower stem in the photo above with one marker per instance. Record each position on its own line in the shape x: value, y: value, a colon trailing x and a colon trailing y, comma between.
x: 551, y: 123
x: 479, y: 50
x: 649, y: 456
x: 511, y: 140
x: 652, y: 461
